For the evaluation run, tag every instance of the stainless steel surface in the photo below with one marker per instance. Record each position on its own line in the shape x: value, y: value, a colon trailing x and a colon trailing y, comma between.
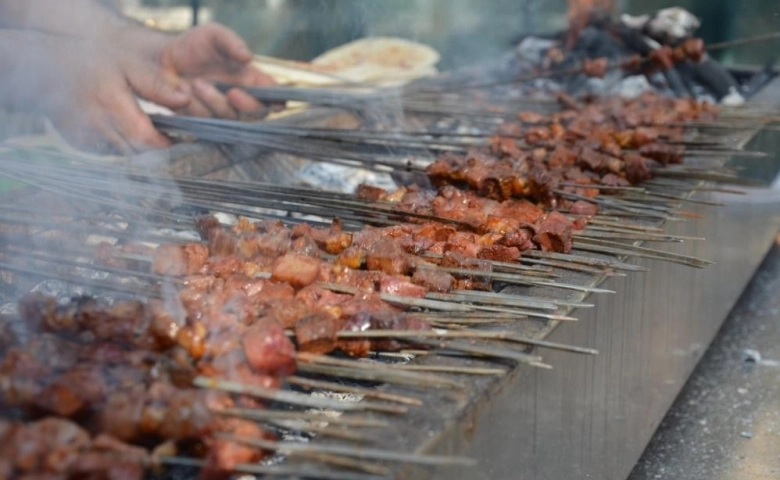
x: 592, y: 417
x: 725, y: 425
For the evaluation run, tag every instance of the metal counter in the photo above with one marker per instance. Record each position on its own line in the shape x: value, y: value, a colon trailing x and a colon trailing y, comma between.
x: 592, y: 416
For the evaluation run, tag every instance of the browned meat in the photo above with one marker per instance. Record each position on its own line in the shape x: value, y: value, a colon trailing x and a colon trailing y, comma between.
x: 223, y: 267
x: 499, y: 253
x: 160, y: 410
x: 562, y: 157
x: 553, y: 233
x: 205, y: 223
x: 433, y: 280
x: 267, y: 348
x: 401, y: 286
x: 388, y: 256
x: 225, y: 455
x: 177, y: 260
x: 317, y: 332
x: 378, y: 320
x: 581, y: 207
x: 592, y: 160
x: 506, y: 146
x: 613, y: 180
x: 537, y: 135
x: 286, y: 311
x: 662, y: 153
x: 445, y: 169
x: 637, y: 168
x: 370, y: 193
x: 470, y: 282
x: 463, y: 243
x: 297, y: 270
x: 522, y: 239
x: 55, y: 448
x: 222, y: 242
x: 333, y: 240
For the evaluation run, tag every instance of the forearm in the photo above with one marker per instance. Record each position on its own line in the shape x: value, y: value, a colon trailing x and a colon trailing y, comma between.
x: 28, y: 64
x: 90, y: 19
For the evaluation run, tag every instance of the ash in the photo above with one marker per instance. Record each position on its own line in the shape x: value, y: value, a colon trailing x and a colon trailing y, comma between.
x: 616, y: 40
x: 340, y: 178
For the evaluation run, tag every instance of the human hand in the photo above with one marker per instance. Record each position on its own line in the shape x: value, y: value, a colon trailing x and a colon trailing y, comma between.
x: 207, y: 54
x: 88, y: 88
x: 84, y: 89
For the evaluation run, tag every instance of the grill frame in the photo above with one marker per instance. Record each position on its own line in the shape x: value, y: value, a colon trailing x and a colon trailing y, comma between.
x: 590, y: 416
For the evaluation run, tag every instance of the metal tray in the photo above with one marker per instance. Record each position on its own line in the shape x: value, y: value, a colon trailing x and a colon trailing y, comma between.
x: 589, y: 417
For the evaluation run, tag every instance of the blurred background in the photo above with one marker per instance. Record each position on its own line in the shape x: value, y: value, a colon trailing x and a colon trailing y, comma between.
x: 464, y: 31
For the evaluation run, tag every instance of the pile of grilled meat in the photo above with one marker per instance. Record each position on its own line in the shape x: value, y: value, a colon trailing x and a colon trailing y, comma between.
x: 98, y: 390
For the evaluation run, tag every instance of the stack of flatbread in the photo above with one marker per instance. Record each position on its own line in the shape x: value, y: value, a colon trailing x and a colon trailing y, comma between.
x: 378, y: 61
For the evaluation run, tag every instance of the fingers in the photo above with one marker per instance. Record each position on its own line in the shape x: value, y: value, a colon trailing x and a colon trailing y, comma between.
x: 196, y: 108
x: 111, y: 136
x: 216, y: 102
x: 93, y: 133
x: 132, y: 124
x: 163, y: 89
x: 244, y: 103
x: 208, y: 101
x: 228, y: 43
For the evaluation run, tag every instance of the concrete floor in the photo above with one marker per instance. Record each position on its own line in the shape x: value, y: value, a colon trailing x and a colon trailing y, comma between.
x: 725, y: 424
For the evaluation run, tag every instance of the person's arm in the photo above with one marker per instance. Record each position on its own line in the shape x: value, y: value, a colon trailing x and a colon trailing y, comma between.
x: 82, y: 88
x: 187, y: 62
x: 78, y: 18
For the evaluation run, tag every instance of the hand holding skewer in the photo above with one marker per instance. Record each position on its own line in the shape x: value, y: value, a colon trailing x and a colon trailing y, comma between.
x: 84, y: 67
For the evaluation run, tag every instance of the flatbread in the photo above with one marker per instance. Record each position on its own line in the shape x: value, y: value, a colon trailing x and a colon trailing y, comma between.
x: 288, y: 72
x: 386, y: 52
x: 376, y: 60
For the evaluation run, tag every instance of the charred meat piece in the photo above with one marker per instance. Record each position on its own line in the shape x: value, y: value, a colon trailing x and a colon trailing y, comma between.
x: 225, y: 454
x: 468, y: 282
x: 378, y: 320
x: 317, y: 333
x: 388, y: 256
x: 158, y: 411
x: 297, y: 270
x: 56, y: 448
x: 553, y: 233
x: 665, y: 154
x: 637, y: 168
x: 332, y: 240
x: 499, y: 253
x: 581, y: 207
x: 205, y: 223
x: 370, y: 193
x: 178, y: 260
x: 267, y: 348
x: 433, y: 280
x: 401, y: 286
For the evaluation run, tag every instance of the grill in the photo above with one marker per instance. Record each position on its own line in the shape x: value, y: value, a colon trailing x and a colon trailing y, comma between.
x: 523, y: 387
